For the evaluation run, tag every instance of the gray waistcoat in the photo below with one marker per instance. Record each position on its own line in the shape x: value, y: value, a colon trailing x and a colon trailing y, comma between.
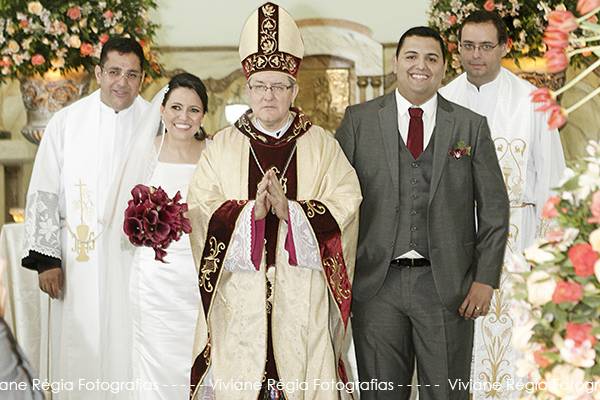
x: 415, y: 178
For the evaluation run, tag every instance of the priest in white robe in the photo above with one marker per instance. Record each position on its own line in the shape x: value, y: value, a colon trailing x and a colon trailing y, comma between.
x: 532, y: 162
x: 84, y: 334
x: 274, y: 209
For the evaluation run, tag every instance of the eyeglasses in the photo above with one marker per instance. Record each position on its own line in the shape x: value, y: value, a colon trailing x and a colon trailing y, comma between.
x: 275, y: 89
x: 118, y: 73
x: 483, y: 47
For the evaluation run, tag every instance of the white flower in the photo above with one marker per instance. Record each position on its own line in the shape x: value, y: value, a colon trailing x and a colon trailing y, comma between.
x: 595, y: 240
x: 35, y: 7
x: 521, y: 336
x: 568, y: 238
x: 540, y: 287
x: 568, y: 173
x: 566, y: 382
x: 517, y: 263
x: 597, y: 270
x: 74, y: 41
x: 537, y: 255
x: 13, y: 46
x: 579, y: 356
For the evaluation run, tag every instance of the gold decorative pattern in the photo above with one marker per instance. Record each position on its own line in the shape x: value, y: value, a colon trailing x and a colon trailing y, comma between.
x: 206, y: 354
x: 268, y: 30
x: 337, y: 279
x: 324, y: 95
x: 211, y: 263
x: 84, y: 238
x: 511, y: 156
x: 496, y: 347
x: 313, y: 208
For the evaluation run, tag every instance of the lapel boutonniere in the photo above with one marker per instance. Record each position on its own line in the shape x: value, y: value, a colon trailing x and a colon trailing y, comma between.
x: 461, y: 149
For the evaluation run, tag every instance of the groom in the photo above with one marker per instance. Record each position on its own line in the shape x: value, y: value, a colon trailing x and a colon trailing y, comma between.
x: 433, y: 226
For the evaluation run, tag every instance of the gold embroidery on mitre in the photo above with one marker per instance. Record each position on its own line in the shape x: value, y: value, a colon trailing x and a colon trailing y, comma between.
x: 278, y: 61
x: 268, y: 30
x: 337, y: 280
x: 211, y: 263
x: 313, y: 208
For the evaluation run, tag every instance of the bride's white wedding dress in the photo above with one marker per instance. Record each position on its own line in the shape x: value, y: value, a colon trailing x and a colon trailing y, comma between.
x: 165, y: 303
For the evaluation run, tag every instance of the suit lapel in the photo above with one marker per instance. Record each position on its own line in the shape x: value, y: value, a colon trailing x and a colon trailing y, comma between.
x: 444, y: 132
x: 388, y: 127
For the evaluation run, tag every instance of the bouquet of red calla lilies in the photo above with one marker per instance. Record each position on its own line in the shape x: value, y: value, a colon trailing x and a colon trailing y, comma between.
x: 152, y: 219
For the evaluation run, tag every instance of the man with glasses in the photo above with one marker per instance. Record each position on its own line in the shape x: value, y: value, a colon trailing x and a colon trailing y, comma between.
x: 67, y: 211
x: 273, y: 206
x: 531, y: 158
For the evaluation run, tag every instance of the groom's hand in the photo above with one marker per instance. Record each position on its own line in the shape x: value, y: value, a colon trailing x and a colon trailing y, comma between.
x: 477, y: 302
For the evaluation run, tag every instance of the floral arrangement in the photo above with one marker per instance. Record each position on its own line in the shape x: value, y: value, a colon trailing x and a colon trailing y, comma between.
x: 557, y: 307
x: 563, y: 44
x: 48, y: 35
x: 152, y: 219
x: 525, y: 21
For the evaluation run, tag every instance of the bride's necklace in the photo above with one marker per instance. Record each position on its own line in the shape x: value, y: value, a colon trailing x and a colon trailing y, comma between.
x: 282, y: 178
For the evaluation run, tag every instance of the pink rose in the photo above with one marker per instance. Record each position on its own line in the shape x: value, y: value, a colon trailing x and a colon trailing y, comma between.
x: 489, y: 5
x: 579, y: 333
x: 583, y: 258
x: 104, y: 38
x: 541, y: 95
x: 23, y: 23
x: 108, y: 14
x: 549, y: 210
x: 595, y: 209
x: 556, y: 38
x: 586, y: 6
x: 86, y: 49
x: 567, y: 292
x: 37, y: 59
x: 539, y: 358
x: 74, y: 13
x: 562, y: 20
x: 556, y: 60
x: 452, y: 19
x: 558, y: 117
x: 554, y: 236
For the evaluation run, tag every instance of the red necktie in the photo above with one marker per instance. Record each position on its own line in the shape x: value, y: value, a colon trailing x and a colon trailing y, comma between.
x: 415, y: 132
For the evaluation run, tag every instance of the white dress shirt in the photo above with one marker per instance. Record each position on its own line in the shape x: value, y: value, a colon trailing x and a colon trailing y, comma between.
x: 429, y: 112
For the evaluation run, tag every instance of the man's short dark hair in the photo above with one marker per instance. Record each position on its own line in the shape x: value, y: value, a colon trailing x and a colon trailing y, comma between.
x: 123, y: 45
x: 422, y: 31
x: 482, y: 17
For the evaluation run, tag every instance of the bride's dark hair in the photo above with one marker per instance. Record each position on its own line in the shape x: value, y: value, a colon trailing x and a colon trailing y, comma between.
x: 194, y: 83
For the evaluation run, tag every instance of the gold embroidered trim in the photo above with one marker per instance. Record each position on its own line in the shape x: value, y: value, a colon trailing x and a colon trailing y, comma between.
x: 211, y: 263
x: 336, y: 278
x: 281, y: 62
x: 206, y: 353
x: 313, y: 208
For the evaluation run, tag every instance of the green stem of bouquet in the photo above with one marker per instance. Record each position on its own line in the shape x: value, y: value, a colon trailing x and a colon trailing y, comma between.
x: 584, y: 50
x: 588, y: 15
x: 582, y: 101
x: 587, y: 26
x: 588, y: 39
x: 579, y: 77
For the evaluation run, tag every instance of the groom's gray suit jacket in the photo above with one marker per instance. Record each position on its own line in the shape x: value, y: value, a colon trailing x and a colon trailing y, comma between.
x: 468, y: 207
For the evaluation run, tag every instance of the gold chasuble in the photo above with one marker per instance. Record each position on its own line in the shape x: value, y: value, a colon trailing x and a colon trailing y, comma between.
x: 275, y: 330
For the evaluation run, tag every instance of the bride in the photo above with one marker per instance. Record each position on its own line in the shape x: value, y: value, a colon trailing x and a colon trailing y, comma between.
x: 164, y: 296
